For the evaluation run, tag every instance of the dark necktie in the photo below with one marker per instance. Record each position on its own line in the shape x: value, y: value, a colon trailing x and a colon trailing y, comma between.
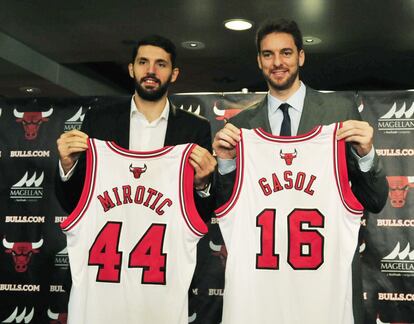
x: 285, y: 128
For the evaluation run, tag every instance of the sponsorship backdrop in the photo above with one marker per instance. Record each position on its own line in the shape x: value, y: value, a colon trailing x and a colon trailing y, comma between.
x: 34, y: 281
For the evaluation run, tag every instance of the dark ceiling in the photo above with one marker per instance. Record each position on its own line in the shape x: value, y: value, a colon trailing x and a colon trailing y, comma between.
x: 83, y: 47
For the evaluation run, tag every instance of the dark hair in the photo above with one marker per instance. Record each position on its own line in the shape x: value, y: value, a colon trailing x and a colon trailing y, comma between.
x: 279, y: 26
x: 158, y: 41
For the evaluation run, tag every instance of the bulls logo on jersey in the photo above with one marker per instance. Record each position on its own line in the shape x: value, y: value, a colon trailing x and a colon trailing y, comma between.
x: 137, y: 171
x: 288, y: 157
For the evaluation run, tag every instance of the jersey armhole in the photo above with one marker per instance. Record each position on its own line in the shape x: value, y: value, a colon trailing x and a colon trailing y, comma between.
x: 189, y: 211
x: 348, y: 198
x: 227, y: 206
x: 88, y: 188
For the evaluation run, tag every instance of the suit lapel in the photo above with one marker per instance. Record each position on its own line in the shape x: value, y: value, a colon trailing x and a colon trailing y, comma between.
x: 121, y: 133
x: 260, y: 117
x: 312, y: 112
x: 173, y: 129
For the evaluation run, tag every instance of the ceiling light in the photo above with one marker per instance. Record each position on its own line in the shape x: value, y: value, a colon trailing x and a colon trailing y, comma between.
x: 30, y: 90
x: 193, y: 45
x: 311, y: 40
x: 238, y: 24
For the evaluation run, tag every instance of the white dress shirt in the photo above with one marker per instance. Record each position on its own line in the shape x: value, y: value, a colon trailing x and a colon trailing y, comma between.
x: 145, y: 135
x: 275, y: 114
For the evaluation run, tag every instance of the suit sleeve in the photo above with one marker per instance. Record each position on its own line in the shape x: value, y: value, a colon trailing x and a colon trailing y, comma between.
x: 225, y: 183
x: 371, y: 188
x: 204, y: 136
x: 205, y: 206
x: 69, y: 192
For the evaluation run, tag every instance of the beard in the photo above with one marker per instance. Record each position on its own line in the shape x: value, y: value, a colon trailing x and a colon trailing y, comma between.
x: 284, y: 85
x: 152, y: 94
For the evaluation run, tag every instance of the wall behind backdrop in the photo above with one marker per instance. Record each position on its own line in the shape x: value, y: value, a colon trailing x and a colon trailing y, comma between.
x: 33, y: 258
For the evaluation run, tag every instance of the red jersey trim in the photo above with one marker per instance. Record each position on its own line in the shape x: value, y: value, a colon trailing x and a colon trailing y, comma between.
x: 138, y: 154
x: 224, y: 209
x: 88, y: 189
x: 187, y: 204
x: 288, y: 139
x: 348, y: 198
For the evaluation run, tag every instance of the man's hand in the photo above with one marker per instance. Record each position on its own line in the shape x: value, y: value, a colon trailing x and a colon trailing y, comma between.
x: 70, y: 145
x: 225, y: 141
x: 359, y: 134
x: 204, y: 164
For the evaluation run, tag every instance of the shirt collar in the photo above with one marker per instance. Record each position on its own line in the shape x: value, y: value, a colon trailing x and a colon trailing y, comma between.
x: 296, y: 100
x: 134, y: 110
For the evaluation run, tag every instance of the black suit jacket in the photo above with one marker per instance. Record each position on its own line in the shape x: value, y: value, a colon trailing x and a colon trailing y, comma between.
x: 112, y: 123
x: 371, y: 188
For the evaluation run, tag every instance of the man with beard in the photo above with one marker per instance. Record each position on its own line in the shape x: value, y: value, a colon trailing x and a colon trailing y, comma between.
x: 291, y: 108
x: 146, y: 122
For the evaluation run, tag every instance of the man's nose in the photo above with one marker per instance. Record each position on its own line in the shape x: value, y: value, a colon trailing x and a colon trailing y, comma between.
x: 277, y: 61
x: 150, y: 68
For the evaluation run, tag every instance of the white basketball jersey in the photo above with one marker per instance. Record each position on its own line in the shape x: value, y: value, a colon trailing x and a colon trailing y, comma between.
x: 291, y: 229
x: 132, y: 238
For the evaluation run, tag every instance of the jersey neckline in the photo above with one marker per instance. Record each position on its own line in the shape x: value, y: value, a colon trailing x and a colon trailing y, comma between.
x: 126, y: 152
x: 276, y: 138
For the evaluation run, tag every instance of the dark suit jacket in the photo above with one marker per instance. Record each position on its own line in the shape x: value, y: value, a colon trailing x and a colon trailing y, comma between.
x: 371, y: 188
x: 112, y: 123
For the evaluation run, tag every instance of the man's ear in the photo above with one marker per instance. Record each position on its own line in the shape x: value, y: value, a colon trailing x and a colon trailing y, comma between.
x: 131, y: 70
x: 174, y: 75
x: 301, y: 57
x: 259, y: 63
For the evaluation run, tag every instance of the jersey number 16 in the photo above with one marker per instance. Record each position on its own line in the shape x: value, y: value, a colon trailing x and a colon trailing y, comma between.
x: 305, y: 246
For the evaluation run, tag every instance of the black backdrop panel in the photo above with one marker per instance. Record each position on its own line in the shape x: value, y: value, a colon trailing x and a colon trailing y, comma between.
x: 33, y: 258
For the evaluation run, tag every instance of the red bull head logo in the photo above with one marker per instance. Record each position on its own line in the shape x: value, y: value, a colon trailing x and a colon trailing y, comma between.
x: 219, y: 251
x: 57, y: 318
x: 22, y: 252
x: 398, y: 188
x: 225, y: 114
x: 31, y: 121
x: 288, y: 157
x: 137, y: 171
